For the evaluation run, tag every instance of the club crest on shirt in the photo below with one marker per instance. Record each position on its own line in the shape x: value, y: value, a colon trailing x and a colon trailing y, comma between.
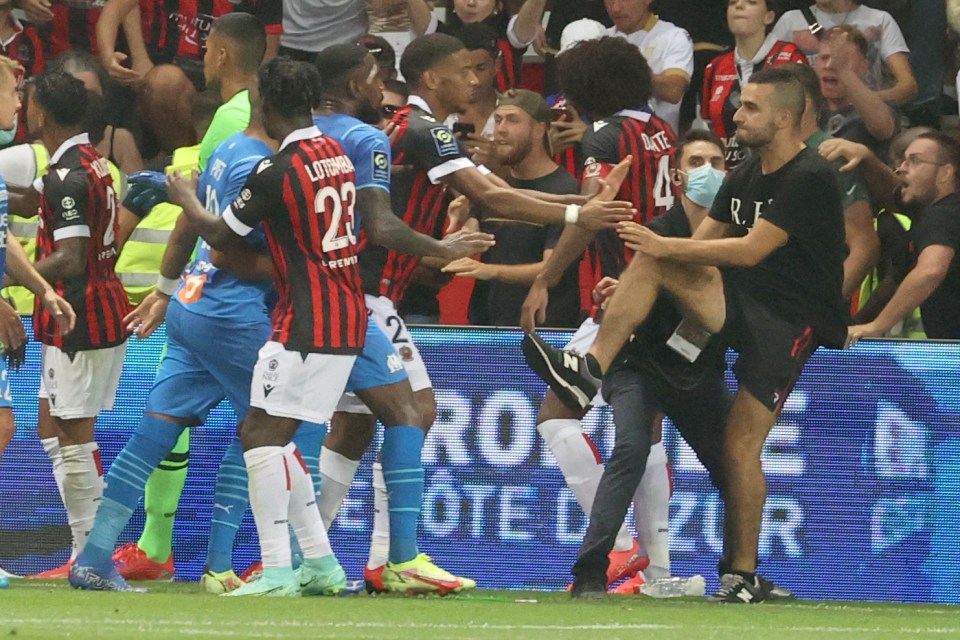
x: 445, y: 142
x: 381, y: 166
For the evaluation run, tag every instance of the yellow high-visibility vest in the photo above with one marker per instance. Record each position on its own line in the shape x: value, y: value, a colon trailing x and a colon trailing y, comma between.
x: 911, y: 326
x: 142, y: 254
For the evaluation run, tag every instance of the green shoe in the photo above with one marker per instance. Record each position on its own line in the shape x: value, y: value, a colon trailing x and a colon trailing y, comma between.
x: 421, y: 575
x: 279, y: 583
x: 321, y: 577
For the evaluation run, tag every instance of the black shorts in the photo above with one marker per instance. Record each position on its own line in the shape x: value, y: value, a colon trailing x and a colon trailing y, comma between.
x: 771, y: 350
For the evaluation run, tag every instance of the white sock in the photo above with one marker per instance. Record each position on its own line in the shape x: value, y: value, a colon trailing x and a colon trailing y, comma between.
x: 304, y: 515
x: 82, y: 490
x: 52, y: 448
x: 380, y: 538
x: 270, y: 501
x: 651, y: 508
x: 578, y: 463
x: 336, y: 476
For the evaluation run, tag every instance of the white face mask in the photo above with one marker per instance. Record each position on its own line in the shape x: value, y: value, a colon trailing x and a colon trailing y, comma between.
x: 703, y: 183
x: 6, y: 137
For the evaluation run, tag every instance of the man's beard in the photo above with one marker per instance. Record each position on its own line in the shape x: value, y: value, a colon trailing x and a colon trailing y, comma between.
x: 515, y: 155
x: 367, y: 113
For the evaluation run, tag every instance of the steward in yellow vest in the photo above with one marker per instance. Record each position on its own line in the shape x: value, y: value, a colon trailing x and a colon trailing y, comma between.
x: 140, y: 256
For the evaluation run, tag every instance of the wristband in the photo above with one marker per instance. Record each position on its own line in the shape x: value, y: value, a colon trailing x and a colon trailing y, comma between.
x: 572, y: 214
x: 167, y: 286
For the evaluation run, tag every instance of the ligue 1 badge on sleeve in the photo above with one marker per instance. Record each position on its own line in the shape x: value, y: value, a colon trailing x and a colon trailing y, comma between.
x: 381, y: 167
x: 445, y: 142
x: 735, y: 99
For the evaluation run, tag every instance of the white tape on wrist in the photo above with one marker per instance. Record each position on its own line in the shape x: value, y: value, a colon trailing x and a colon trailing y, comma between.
x: 572, y: 214
x: 167, y: 286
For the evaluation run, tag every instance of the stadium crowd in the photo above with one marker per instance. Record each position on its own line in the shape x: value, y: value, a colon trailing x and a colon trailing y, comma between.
x: 289, y: 184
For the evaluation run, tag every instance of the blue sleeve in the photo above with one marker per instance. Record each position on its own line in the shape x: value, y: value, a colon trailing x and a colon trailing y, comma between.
x: 371, y: 158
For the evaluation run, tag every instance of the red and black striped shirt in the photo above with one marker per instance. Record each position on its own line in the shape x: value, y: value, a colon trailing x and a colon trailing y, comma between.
x: 74, y: 26
x: 648, y: 184
x: 306, y: 198
x: 79, y: 201
x: 417, y: 196
x: 721, y: 93
x: 182, y: 26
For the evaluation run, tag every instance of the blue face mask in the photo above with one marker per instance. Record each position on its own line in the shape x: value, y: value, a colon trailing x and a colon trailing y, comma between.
x: 6, y: 137
x: 703, y: 183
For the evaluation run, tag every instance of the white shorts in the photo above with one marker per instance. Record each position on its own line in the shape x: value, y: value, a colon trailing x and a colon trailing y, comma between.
x: 82, y: 386
x: 384, y: 313
x: 582, y: 340
x: 288, y: 385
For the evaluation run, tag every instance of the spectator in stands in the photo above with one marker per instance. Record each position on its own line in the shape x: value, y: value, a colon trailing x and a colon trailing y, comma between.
x: 383, y: 52
x: 863, y: 245
x: 481, y: 42
x: 853, y: 110
x: 886, y: 47
x: 725, y: 75
x: 667, y: 48
x: 931, y: 171
x: 925, y: 29
x: 568, y: 126
x: 563, y: 13
x: 115, y: 143
x: 514, y: 33
x: 521, y: 137
x: 895, y: 230
x: 309, y: 26
x: 394, y: 98
x: 706, y: 22
x: 65, y: 25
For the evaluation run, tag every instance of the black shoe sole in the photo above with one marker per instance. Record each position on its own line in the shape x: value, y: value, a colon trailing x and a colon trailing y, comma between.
x: 536, y: 353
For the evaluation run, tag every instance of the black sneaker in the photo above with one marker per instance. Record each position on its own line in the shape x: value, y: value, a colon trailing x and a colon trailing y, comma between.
x: 773, y: 591
x: 736, y: 589
x: 566, y: 372
x: 585, y: 590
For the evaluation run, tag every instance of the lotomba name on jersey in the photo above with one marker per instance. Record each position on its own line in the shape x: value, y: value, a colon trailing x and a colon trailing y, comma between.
x: 328, y: 168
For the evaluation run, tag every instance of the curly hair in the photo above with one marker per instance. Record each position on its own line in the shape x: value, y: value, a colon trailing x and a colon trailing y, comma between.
x: 289, y: 88
x: 601, y: 77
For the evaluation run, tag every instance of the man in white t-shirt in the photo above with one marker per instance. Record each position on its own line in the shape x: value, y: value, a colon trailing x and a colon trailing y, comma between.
x: 667, y: 48
x: 886, y: 43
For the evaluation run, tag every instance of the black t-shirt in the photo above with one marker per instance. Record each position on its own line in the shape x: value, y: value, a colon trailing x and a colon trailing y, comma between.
x: 648, y: 348
x: 800, y: 281
x: 498, y: 303
x: 940, y: 224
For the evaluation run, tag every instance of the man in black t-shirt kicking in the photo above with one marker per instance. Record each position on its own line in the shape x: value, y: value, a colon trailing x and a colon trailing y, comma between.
x: 765, y: 272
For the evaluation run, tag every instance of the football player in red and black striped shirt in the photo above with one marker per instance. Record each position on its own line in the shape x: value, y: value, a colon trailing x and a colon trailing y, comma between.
x: 77, y: 254
x: 305, y: 197
x: 610, y: 82
x: 439, y: 72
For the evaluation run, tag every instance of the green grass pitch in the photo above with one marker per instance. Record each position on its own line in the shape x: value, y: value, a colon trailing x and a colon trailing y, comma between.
x: 47, y: 610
